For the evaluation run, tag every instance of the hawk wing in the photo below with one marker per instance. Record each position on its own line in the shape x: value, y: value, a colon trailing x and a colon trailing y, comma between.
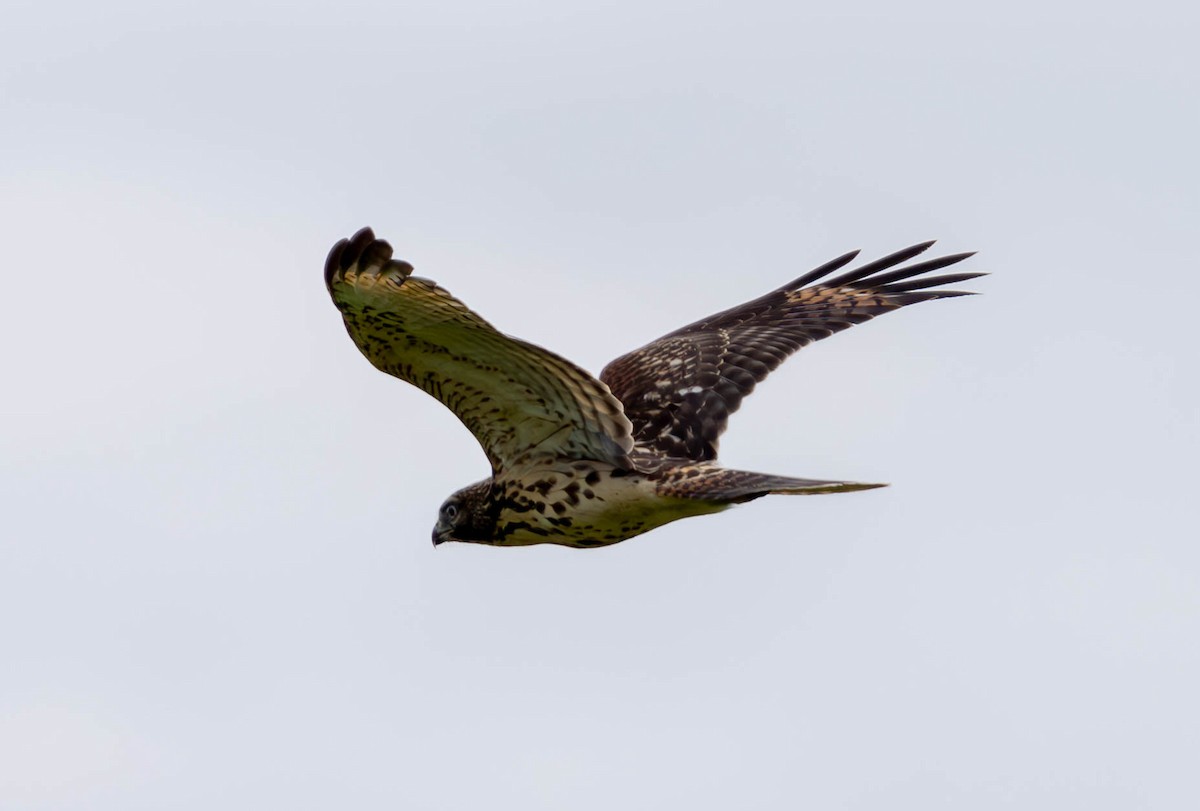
x: 680, y: 389
x: 519, y: 400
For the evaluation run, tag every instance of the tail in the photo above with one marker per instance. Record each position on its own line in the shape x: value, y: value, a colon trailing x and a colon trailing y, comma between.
x: 738, y: 486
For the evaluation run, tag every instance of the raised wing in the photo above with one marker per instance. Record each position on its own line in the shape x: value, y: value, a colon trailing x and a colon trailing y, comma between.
x: 520, y: 401
x: 680, y: 389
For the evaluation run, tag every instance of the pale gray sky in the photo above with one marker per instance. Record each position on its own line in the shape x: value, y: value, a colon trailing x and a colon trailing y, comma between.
x: 216, y: 583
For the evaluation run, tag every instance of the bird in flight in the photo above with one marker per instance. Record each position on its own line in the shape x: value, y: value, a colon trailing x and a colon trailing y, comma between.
x: 582, y: 461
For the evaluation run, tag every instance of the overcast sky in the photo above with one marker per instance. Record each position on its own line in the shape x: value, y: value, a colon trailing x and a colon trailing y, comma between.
x: 217, y: 588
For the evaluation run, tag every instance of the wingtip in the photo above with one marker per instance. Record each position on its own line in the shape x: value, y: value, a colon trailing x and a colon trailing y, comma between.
x: 820, y: 272
x: 371, y: 254
x: 333, y: 261
x: 361, y: 247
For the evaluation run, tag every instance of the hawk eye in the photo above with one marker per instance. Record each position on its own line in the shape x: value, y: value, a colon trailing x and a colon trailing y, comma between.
x: 451, y: 511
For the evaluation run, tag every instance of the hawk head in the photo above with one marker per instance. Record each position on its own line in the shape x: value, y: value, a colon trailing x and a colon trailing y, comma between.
x: 468, y: 515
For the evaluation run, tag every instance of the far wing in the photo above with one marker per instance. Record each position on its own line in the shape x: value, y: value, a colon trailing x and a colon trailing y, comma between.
x: 519, y: 400
x: 680, y: 389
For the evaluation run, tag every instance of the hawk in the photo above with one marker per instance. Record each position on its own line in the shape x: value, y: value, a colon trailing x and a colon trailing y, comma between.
x: 582, y: 461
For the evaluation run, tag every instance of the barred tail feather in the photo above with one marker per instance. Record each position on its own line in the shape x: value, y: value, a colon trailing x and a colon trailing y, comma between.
x: 739, y: 486
x: 750, y: 486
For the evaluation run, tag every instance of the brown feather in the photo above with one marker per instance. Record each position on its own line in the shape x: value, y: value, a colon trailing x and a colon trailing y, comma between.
x: 679, y: 390
x: 520, y: 401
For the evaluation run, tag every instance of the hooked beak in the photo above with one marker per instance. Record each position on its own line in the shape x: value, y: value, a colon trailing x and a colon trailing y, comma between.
x: 440, y: 536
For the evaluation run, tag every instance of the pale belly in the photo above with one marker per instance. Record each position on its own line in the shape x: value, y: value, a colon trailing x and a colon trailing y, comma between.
x: 587, y: 507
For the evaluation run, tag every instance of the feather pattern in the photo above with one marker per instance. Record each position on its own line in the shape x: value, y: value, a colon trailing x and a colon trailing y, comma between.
x: 587, y: 462
x: 679, y: 390
x: 520, y: 401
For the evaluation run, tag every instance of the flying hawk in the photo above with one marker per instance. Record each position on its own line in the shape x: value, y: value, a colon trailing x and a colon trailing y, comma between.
x: 586, y: 462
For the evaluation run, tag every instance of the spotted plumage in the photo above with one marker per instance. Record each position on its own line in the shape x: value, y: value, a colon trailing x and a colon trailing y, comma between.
x: 583, y: 461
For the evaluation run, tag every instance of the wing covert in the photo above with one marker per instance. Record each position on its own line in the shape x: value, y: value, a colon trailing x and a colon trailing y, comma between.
x: 519, y: 400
